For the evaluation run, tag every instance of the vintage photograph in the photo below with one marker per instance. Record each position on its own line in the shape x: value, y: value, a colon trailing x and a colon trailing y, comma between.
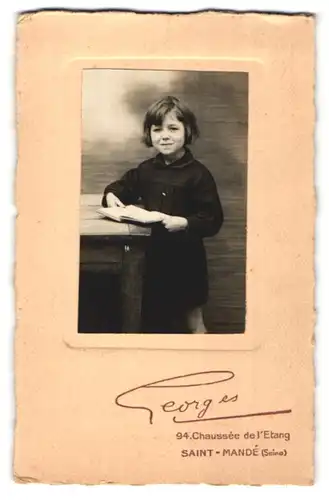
x: 164, y: 266
x: 163, y: 207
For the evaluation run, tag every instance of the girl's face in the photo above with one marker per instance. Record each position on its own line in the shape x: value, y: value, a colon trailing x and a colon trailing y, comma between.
x: 169, y: 137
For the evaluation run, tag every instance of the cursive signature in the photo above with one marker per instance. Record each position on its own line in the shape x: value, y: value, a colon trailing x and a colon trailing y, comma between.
x: 199, y: 406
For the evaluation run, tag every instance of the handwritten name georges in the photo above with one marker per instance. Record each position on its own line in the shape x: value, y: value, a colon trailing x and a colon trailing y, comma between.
x: 189, y: 409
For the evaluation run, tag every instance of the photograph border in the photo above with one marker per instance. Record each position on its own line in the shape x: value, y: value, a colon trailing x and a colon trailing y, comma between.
x: 221, y: 341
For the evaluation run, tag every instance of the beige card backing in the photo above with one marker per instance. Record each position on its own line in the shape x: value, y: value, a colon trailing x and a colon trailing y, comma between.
x: 217, y: 409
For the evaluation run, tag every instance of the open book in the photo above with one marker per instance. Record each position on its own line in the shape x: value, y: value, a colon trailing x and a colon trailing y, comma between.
x: 131, y: 213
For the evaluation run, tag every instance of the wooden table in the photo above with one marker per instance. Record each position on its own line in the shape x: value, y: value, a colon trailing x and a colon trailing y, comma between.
x: 118, y: 248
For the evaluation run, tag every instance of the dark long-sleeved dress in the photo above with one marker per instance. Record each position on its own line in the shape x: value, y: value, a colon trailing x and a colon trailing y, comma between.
x: 176, y: 277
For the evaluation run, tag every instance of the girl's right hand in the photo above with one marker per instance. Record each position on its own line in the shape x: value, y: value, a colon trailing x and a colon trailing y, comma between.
x: 113, y: 201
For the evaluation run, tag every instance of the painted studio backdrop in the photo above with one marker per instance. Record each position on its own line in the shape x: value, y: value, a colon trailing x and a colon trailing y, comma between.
x: 113, y: 106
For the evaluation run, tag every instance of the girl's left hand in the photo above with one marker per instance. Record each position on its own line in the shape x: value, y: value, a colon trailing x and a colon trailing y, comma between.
x: 174, y: 223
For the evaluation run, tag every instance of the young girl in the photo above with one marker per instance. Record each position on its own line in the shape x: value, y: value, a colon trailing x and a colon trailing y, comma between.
x: 183, y: 190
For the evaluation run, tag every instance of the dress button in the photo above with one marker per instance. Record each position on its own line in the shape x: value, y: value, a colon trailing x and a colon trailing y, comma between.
x: 164, y: 194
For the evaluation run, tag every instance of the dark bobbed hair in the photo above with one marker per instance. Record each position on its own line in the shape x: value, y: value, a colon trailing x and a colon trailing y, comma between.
x: 158, y: 110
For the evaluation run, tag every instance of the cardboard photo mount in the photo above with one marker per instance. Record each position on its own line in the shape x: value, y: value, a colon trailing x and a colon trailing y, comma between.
x: 136, y: 409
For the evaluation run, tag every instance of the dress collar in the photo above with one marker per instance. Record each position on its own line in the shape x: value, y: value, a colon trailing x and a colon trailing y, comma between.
x: 186, y: 159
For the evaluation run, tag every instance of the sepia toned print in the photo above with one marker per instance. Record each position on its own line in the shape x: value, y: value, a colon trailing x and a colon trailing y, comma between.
x: 185, y: 157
